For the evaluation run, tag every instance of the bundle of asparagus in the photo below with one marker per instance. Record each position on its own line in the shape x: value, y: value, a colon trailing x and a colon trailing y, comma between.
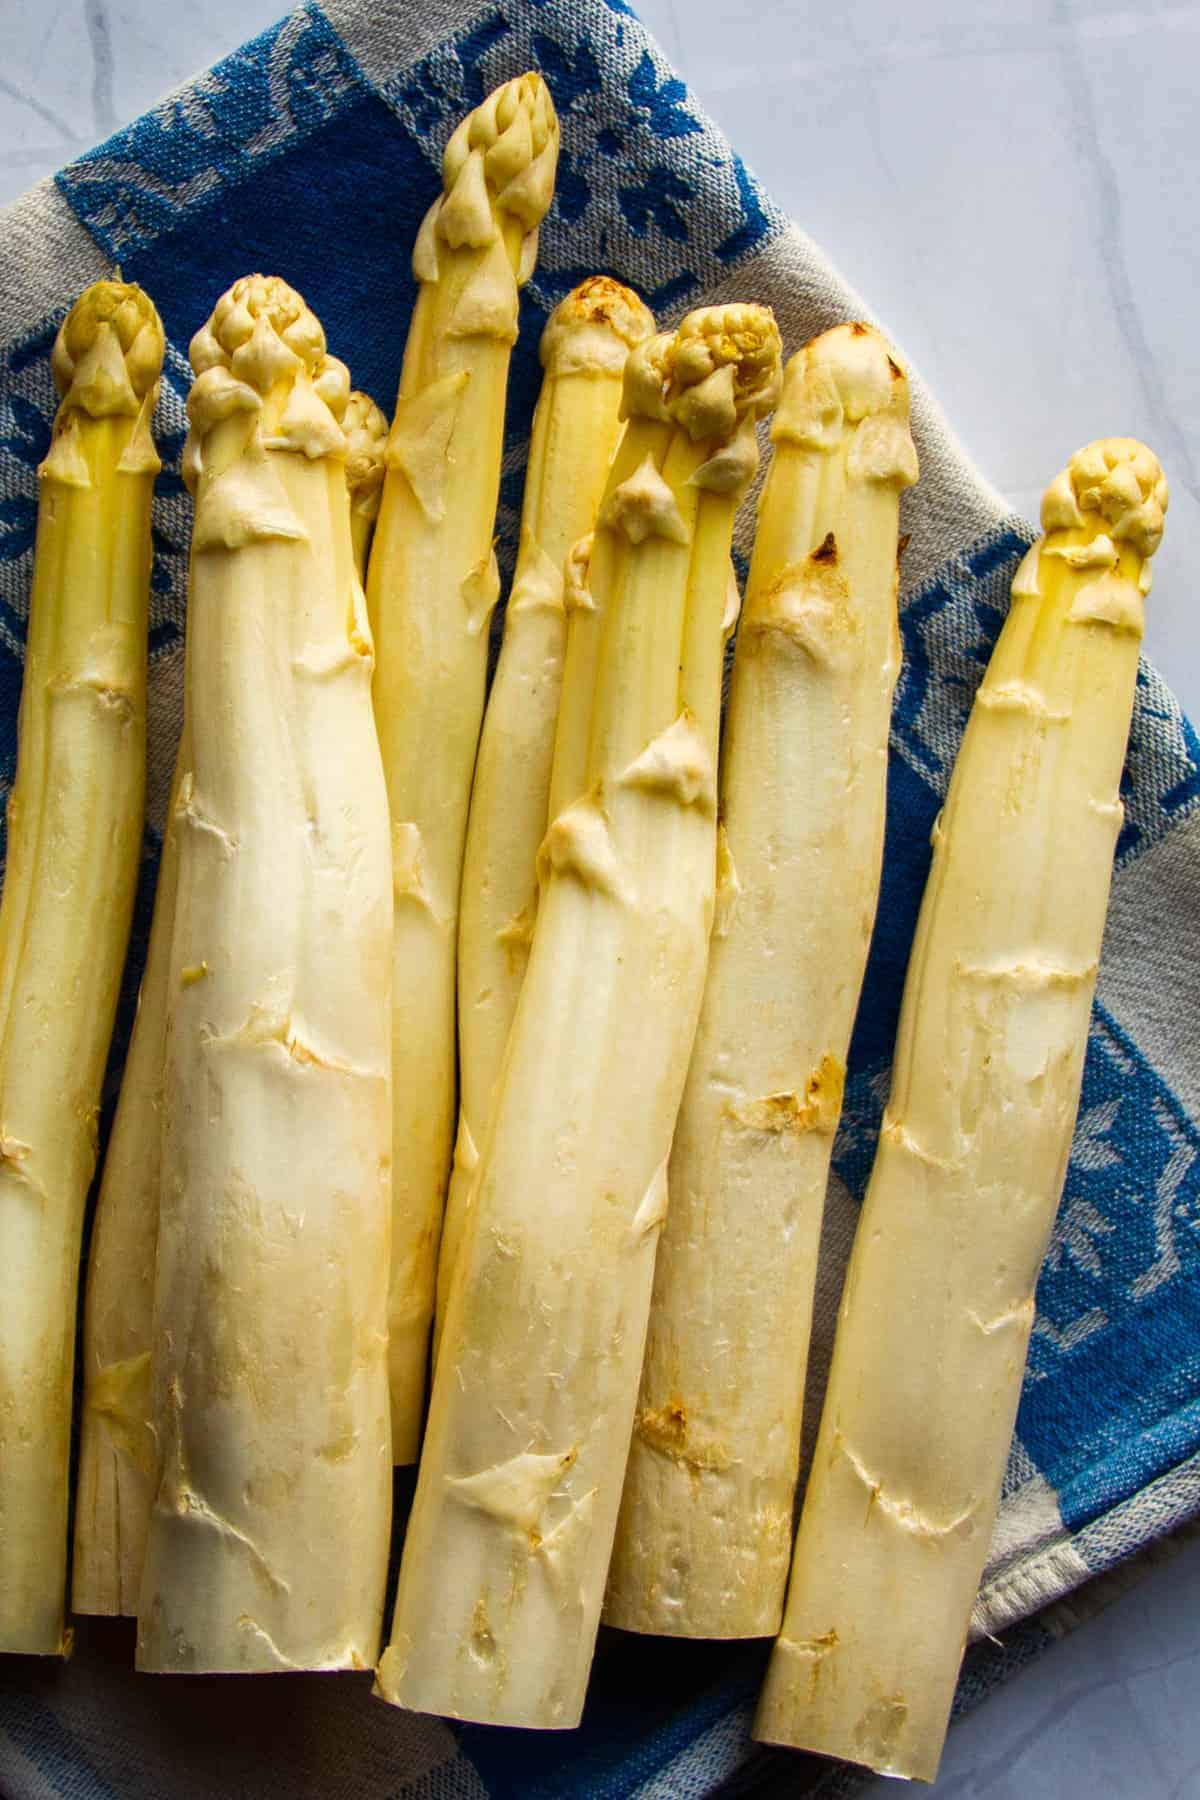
x: 536, y: 1377
x: 241, y: 1299
x: 116, y: 1478
x: 431, y: 587
x: 269, y: 1373
x: 939, y: 1298
x: 74, y: 842
x: 575, y: 430
x: 705, y: 1530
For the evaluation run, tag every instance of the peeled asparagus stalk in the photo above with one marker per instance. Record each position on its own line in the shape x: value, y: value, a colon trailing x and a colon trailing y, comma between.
x: 431, y: 586
x: 366, y: 431
x: 270, y: 1365
x: 705, y: 1530
x: 75, y: 832
x: 116, y: 1480
x: 114, y: 1488
x: 939, y: 1298
x: 575, y: 431
x: 534, y: 1389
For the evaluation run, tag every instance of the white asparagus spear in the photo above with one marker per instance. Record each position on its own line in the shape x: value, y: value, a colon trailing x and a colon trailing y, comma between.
x: 116, y: 1480
x: 505, y: 1556
x: 75, y: 832
x: 575, y: 430
x: 269, y: 1535
x: 939, y: 1298
x: 114, y: 1488
x: 705, y: 1532
x: 431, y: 586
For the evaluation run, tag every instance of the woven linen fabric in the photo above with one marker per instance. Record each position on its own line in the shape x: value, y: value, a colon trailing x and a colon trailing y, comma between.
x: 313, y: 153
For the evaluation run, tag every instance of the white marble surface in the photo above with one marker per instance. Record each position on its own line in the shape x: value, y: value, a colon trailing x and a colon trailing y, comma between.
x: 1014, y: 186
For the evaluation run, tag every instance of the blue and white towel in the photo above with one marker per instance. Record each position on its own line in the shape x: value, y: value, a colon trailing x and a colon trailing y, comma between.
x: 313, y: 153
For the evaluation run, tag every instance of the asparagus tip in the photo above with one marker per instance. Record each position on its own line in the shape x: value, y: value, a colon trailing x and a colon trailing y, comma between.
x: 848, y: 380
x: 596, y: 326
x: 366, y: 430
x: 1120, y: 484
x: 108, y: 353
x: 262, y: 337
x: 724, y: 367
x: 511, y: 140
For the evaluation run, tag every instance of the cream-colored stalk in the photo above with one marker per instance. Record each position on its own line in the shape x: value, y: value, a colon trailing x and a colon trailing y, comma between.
x: 508, y: 1544
x: 74, y: 844
x: 431, y: 587
x: 939, y: 1298
x: 366, y: 430
x: 704, y: 1536
x: 575, y: 431
x: 116, y: 1479
x: 114, y: 1486
x: 268, y: 1539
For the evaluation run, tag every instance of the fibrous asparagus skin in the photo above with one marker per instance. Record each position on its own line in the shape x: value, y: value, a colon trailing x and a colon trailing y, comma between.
x: 431, y: 587
x: 269, y: 1356
x: 536, y: 1378
x: 705, y: 1531
x: 366, y: 430
x: 575, y: 430
x: 939, y: 1298
x: 114, y: 1487
x: 75, y: 829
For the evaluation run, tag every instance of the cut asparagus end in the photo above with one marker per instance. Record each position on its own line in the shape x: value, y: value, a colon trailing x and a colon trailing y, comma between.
x: 939, y: 1298
x: 75, y: 828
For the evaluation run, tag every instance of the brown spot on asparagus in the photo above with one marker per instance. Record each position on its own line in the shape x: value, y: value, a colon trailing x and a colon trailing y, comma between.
x: 826, y: 551
x: 819, y: 1110
x: 665, y: 1429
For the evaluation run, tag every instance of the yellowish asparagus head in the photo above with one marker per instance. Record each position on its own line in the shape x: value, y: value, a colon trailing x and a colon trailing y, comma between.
x: 107, y: 361
x: 1114, y: 487
x: 850, y: 377
x: 501, y: 159
x: 262, y: 354
x: 109, y: 351
x: 1102, y: 521
x: 262, y: 333
x: 366, y: 430
x: 647, y: 373
x: 725, y: 366
x: 595, y: 328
